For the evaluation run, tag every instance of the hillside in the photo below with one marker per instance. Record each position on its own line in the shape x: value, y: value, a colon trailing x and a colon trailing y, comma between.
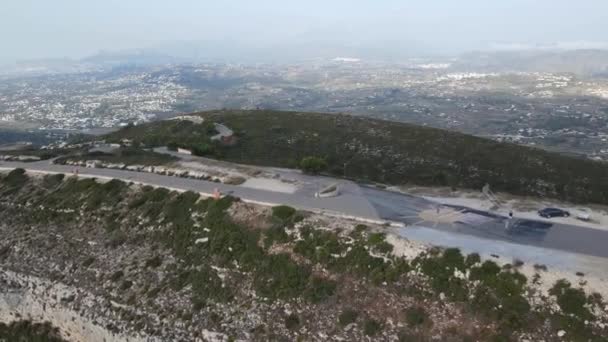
x: 111, y: 260
x: 383, y: 151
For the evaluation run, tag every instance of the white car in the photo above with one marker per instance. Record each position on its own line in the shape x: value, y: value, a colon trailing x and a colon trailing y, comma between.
x: 583, y: 214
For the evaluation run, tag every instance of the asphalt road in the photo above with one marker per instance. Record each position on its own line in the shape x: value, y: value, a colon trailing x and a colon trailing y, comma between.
x: 350, y: 203
x: 373, y: 204
x: 558, y: 236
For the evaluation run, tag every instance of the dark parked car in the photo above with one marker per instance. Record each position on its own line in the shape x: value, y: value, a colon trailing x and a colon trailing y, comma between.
x: 553, y: 212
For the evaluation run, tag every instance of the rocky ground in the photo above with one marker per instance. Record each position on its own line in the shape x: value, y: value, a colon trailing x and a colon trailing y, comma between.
x: 111, y: 261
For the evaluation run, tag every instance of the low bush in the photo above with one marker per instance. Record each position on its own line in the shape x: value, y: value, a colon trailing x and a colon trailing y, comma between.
x: 207, y: 286
x: 116, y: 276
x: 371, y: 327
x: 275, y: 234
x: 283, y: 212
x: 126, y: 284
x: 378, y: 244
x: 52, y: 181
x: 416, y: 316
x: 472, y: 259
x: 277, y: 276
x: 319, y: 289
x: 486, y: 272
x: 347, y: 317
x: 154, y: 262
x: 28, y: 331
x: 202, y: 149
x: 318, y: 246
x: 14, y: 181
x: 117, y: 238
x: 292, y: 322
x: 441, y: 268
x: 313, y: 165
x: 88, y: 261
x: 572, y: 301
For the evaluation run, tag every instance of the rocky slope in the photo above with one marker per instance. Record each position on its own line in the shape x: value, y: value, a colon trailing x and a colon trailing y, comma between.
x: 116, y: 261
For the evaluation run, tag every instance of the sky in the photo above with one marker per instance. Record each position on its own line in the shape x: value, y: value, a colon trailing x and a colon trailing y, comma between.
x: 32, y: 29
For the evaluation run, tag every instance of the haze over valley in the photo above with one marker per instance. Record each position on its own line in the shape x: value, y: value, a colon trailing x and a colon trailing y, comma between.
x: 395, y: 170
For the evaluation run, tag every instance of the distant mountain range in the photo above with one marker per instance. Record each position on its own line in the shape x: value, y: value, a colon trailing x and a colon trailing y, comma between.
x: 582, y: 62
x: 520, y: 58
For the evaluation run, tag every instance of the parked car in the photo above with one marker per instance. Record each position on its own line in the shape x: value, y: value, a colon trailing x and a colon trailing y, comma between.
x: 583, y: 214
x: 553, y: 212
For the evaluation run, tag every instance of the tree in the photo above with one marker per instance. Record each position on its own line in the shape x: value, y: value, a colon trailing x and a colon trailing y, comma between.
x: 313, y: 165
x: 202, y: 149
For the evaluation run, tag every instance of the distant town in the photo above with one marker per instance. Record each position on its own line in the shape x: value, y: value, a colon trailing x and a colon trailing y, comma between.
x: 561, y: 111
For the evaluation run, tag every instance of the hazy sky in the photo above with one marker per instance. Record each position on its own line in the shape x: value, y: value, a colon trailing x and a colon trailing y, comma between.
x: 75, y: 28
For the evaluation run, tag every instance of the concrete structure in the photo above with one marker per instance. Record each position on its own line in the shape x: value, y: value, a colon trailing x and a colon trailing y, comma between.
x: 183, y: 151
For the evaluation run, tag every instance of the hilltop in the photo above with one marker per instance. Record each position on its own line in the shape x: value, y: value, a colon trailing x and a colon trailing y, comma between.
x: 381, y: 151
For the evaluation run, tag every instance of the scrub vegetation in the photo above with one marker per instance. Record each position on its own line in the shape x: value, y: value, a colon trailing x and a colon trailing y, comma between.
x: 383, y: 151
x: 295, y: 276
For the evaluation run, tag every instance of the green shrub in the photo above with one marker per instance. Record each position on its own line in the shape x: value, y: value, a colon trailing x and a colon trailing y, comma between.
x: 360, y: 228
x: 117, y: 238
x: 275, y: 234
x: 154, y: 292
x: 416, y: 316
x: 360, y: 262
x: 292, y: 322
x: 375, y: 238
x: 472, y: 259
x: 88, y: 261
x: 52, y: 181
x: 378, y: 244
x: 181, y: 280
x: 319, y: 289
x: 347, y: 317
x: 277, y: 276
x: 207, y: 286
x: 202, y: 149
x: 116, y: 275
x: 501, y: 296
x: 318, y: 245
x: 571, y: 301
x: 283, y: 212
x: 149, y: 195
x: 154, y: 262
x: 486, y: 272
x: 371, y: 327
x: 27, y: 331
x: 126, y: 284
x: 313, y: 165
x: 15, y: 180
x: 440, y: 269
